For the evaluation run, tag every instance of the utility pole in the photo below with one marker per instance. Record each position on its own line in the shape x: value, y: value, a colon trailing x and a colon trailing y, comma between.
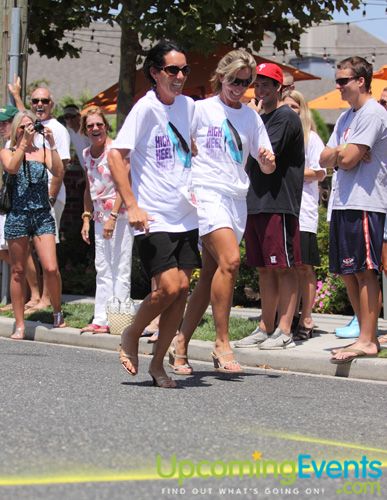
x: 13, y: 62
x: 16, y: 12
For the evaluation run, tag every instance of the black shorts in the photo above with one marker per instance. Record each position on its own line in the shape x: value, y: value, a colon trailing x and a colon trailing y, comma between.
x: 162, y: 251
x: 355, y: 241
x: 309, y: 249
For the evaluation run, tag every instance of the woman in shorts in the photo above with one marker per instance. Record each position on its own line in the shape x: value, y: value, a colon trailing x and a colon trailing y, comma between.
x: 157, y: 134
x: 226, y: 132
x: 30, y: 213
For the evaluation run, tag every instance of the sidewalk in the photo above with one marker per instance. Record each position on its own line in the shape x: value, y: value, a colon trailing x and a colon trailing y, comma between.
x: 308, y: 357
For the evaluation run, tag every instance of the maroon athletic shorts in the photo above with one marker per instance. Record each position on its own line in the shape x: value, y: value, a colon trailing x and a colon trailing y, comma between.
x: 272, y: 240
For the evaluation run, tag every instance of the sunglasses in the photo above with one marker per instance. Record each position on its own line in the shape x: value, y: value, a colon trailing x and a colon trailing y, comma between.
x: 45, y: 100
x: 383, y: 102
x: 175, y: 70
x: 343, y: 81
x: 90, y: 126
x: 239, y: 81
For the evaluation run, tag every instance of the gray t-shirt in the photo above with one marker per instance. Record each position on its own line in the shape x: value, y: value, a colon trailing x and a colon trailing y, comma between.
x: 364, y: 187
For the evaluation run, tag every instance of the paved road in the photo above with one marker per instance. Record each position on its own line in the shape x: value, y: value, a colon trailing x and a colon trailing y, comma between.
x: 73, y: 425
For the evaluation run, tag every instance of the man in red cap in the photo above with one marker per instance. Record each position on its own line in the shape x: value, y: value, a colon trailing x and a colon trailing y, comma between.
x: 273, y: 201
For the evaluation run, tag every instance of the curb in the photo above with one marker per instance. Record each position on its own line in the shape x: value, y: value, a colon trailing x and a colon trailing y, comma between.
x: 311, y: 357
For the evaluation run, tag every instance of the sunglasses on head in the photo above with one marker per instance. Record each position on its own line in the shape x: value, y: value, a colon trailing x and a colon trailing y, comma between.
x: 174, y: 70
x: 239, y: 81
x: 344, y: 81
x: 90, y: 126
x: 68, y: 117
x: 36, y: 100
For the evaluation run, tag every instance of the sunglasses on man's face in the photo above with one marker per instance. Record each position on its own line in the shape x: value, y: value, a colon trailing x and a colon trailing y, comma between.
x: 343, y: 81
x: 239, y: 81
x: 175, y: 70
x: 36, y: 100
x: 383, y: 102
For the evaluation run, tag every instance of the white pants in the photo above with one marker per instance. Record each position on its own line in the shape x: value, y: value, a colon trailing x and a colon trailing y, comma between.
x: 113, y: 262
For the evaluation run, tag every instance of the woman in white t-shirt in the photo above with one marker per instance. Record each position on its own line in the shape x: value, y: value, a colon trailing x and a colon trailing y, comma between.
x: 113, y: 235
x: 156, y: 133
x: 225, y: 132
x: 308, y: 218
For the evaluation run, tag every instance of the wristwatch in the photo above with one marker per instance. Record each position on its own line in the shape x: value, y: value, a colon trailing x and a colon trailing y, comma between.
x: 52, y: 200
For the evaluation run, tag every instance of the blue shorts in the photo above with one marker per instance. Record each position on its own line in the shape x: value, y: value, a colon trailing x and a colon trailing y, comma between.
x: 355, y: 241
x: 34, y: 223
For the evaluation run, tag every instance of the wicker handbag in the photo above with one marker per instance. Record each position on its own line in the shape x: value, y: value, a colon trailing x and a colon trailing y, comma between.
x: 120, y: 314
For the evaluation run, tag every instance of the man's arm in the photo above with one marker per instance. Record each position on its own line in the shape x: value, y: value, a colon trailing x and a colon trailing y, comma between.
x: 56, y: 183
x: 15, y: 89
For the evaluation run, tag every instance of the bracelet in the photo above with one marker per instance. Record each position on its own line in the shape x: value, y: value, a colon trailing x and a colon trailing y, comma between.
x: 52, y: 200
x: 86, y: 214
x: 114, y: 215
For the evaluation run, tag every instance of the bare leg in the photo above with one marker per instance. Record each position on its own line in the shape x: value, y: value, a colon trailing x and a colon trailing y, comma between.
x: 269, y: 290
x: 159, y: 300
x: 46, y: 248
x: 170, y: 320
x: 197, y: 305
x: 369, y: 302
x: 352, y: 286
x: 18, y: 251
x: 307, y: 286
x: 288, y: 293
x: 32, y: 280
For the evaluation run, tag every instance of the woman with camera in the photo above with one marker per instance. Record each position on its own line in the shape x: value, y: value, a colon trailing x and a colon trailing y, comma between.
x: 30, y: 216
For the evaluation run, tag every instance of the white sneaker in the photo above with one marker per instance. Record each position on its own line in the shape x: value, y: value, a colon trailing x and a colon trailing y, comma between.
x: 278, y: 340
x: 255, y: 338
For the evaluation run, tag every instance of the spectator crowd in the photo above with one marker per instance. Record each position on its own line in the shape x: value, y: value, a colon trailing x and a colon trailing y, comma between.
x: 186, y: 181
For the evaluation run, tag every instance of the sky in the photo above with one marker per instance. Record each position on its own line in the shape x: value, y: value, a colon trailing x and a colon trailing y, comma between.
x: 375, y: 21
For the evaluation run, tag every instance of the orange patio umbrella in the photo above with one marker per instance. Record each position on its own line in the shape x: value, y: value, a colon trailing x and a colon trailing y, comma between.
x: 197, y: 82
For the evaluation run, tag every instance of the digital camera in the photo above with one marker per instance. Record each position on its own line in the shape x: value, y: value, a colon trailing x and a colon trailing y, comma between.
x: 39, y: 127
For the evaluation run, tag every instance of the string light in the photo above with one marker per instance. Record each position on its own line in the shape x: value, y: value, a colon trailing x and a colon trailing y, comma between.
x: 348, y: 29
x: 98, y: 47
x: 92, y: 34
x: 364, y: 10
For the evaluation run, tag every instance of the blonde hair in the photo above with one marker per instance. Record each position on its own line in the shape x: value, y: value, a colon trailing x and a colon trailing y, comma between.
x: 229, y: 65
x: 305, y: 114
x: 16, y: 123
x: 94, y: 110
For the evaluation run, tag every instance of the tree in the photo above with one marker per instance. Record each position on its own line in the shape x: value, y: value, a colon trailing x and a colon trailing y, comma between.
x: 198, y: 25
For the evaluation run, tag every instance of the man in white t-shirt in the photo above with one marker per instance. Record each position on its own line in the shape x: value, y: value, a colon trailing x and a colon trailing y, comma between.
x: 357, y: 148
x: 72, y: 118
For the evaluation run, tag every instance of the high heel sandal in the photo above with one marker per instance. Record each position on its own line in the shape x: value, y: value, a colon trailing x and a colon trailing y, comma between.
x: 303, y: 333
x: 231, y: 366
x: 18, y: 334
x: 163, y: 381
x: 185, y: 369
x: 125, y: 358
x: 59, y: 320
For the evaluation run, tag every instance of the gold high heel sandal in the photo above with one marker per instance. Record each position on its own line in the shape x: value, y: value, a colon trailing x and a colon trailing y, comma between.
x: 185, y: 369
x: 125, y: 358
x: 163, y: 381
x: 231, y: 366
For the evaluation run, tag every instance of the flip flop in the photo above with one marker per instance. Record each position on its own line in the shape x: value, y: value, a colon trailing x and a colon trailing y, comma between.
x: 358, y: 353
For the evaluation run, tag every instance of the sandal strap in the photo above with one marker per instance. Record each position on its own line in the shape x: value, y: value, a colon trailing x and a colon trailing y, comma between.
x: 222, y: 354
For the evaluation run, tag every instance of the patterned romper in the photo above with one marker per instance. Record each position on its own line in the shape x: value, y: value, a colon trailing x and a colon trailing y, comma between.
x: 30, y: 214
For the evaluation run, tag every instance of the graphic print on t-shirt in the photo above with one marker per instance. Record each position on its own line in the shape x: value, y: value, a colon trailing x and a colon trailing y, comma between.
x: 224, y: 139
x: 180, y: 145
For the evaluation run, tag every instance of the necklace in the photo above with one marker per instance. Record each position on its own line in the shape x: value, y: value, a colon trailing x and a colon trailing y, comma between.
x: 169, y: 105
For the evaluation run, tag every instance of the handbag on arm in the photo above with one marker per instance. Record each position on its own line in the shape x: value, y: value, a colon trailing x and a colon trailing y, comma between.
x: 6, y: 193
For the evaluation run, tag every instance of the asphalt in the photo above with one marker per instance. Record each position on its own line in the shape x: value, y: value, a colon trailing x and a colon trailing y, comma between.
x: 310, y: 357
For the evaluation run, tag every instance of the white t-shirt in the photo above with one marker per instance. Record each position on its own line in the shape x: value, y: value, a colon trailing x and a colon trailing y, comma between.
x: 364, y: 187
x: 80, y: 142
x: 225, y: 137
x: 308, y: 219
x: 62, y: 142
x: 158, y: 137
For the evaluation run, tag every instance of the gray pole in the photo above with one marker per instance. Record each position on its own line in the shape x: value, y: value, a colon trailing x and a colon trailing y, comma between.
x: 14, y: 54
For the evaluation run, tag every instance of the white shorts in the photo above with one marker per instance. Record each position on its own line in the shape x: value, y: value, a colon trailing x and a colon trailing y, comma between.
x: 56, y: 212
x: 216, y: 210
x: 3, y: 243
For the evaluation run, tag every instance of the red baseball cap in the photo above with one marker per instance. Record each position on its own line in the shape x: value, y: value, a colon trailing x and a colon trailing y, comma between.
x: 271, y: 71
